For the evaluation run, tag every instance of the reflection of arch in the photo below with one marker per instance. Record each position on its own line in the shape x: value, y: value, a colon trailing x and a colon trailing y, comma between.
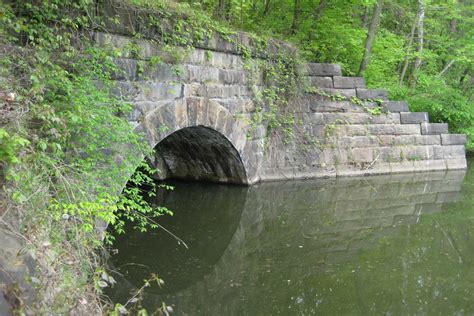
x: 198, y: 138
x: 206, y: 216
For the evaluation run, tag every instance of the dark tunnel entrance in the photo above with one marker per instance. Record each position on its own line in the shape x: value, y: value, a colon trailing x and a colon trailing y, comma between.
x: 201, y: 154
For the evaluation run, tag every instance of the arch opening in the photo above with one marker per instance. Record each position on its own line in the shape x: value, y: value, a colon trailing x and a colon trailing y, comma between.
x: 199, y: 153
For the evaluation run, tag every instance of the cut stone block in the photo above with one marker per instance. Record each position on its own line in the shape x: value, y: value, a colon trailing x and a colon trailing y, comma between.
x: 454, y: 151
x: 404, y: 166
x: 392, y: 140
x: 360, y: 118
x: 322, y: 82
x: 453, y: 139
x: 227, y: 76
x: 429, y: 165
x: 448, y: 152
x: 126, y: 69
x: 413, y: 117
x: 357, y: 141
x: 343, y: 93
x: 458, y: 163
x: 434, y: 128
x: 337, y: 106
x: 348, y: 82
x: 362, y: 155
x: 416, y: 153
x: 395, y: 106
x: 322, y: 70
x: 373, y: 94
x: 385, y: 118
x: 394, y: 129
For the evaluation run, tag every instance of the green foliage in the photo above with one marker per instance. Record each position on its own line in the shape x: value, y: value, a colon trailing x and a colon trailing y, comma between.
x: 76, y: 147
x: 10, y: 146
x: 336, y: 31
x: 443, y: 102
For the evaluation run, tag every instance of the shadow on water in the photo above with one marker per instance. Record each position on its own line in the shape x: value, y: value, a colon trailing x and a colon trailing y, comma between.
x: 205, y: 216
x: 398, y: 244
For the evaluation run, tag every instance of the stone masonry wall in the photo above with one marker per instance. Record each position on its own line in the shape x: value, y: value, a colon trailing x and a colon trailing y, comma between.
x: 344, y: 138
x: 337, y: 131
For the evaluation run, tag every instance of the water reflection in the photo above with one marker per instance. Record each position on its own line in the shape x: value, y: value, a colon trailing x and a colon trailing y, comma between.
x: 205, y: 217
x: 399, y: 244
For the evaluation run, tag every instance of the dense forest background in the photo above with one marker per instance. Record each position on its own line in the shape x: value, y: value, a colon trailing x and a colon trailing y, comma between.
x: 421, y: 51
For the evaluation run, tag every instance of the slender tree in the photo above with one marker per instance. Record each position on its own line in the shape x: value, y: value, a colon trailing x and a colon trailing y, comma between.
x: 420, y: 39
x: 319, y: 10
x: 223, y: 9
x: 267, y: 7
x: 408, y: 48
x: 296, y: 16
x: 371, y: 35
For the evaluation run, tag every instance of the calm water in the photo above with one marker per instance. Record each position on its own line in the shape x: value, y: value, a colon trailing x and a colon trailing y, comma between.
x: 383, y: 245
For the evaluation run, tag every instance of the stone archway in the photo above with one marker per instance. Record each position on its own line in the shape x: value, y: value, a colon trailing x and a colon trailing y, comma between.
x: 199, y: 139
x: 199, y: 153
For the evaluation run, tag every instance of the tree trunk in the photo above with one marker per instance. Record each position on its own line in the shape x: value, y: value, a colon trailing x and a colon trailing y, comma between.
x: 296, y: 16
x: 448, y: 65
x: 319, y: 10
x: 371, y: 35
x: 365, y: 18
x: 420, y: 27
x: 407, y: 52
x: 463, y: 76
x: 267, y: 7
x: 223, y: 9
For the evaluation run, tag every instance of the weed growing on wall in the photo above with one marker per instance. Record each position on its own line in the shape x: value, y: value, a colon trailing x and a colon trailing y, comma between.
x: 67, y: 150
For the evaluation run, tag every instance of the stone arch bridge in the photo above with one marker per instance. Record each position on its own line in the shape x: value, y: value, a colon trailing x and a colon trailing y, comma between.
x: 199, y: 115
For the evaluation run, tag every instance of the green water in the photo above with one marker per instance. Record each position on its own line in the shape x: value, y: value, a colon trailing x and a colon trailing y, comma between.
x: 382, y: 245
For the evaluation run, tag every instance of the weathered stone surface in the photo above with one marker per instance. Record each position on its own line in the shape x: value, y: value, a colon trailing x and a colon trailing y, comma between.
x: 314, y: 118
x: 429, y: 165
x: 216, y: 59
x: 232, y: 76
x: 322, y: 82
x: 453, y: 139
x: 404, y: 166
x: 217, y: 91
x: 126, y: 69
x: 202, y: 74
x: 147, y: 91
x: 394, y: 129
x: 144, y: 107
x: 434, y: 128
x: 450, y: 151
x: 323, y: 70
x: 16, y: 268
x: 392, y: 140
x: 456, y: 163
x: 372, y: 94
x: 348, y: 82
x: 416, y: 153
x: 388, y: 154
x: 342, y: 93
x: 413, y: 117
x: 236, y: 105
x: 333, y: 106
x: 385, y: 118
x: 362, y: 155
x: 395, y: 106
x: 357, y: 141
x: 360, y: 118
